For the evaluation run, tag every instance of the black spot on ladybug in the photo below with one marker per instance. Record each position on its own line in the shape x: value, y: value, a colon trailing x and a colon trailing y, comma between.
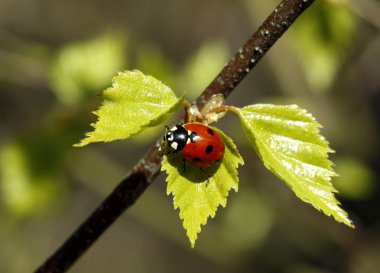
x: 211, y: 132
x: 209, y: 149
x: 196, y: 159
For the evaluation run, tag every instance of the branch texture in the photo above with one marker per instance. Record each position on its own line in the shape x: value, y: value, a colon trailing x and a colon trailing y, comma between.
x: 129, y: 190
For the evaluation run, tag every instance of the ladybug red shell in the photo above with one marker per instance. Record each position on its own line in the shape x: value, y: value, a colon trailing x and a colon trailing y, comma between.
x: 199, y: 144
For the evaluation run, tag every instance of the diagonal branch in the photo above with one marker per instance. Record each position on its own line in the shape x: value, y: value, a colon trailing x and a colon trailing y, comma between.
x: 129, y: 190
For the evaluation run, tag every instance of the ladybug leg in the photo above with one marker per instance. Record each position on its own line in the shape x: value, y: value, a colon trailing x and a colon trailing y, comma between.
x: 184, y: 164
x: 208, y: 175
x: 166, y: 131
x: 198, y: 176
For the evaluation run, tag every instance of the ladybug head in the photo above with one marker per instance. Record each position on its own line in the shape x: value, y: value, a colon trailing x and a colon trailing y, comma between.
x: 176, y: 138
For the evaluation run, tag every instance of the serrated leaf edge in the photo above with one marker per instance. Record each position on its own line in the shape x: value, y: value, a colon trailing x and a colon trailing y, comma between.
x: 343, y: 214
x: 88, y: 135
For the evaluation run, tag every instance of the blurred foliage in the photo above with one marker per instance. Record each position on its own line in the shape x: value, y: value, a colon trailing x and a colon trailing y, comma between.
x: 25, y: 190
x: 152, y: 61
x: 79, y: 69
x: 248, y: 207
x: 323, y: 40
x: 56, y: 56
x: 356, y: 180
x: 203, y: 66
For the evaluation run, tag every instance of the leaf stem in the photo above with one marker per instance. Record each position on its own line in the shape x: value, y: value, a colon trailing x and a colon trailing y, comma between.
x: 129, y: 190
x: 223, y: 108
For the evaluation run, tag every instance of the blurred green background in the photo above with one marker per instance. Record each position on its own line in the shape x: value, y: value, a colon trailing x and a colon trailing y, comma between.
x: 55, y: 58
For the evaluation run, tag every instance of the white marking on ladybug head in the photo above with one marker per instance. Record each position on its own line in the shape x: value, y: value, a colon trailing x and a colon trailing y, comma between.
x: 174, y: 145
x: 174, y: 128
x: 170, y: 137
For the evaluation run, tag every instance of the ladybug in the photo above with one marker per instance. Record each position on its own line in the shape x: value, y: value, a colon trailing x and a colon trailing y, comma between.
x: 199, y: 144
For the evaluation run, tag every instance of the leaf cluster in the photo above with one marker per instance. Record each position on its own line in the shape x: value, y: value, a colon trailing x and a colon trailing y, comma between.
x: 286, y: 138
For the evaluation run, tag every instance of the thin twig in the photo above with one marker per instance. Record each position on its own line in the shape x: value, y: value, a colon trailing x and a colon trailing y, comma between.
x: 129, y: 190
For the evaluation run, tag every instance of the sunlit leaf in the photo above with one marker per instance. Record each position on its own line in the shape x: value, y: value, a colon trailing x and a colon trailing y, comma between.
x: 135, y: 101
x: 197, y: 198
x: 287, y: 140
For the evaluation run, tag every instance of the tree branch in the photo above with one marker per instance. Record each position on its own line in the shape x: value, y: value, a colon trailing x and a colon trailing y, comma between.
x: 129, y: 190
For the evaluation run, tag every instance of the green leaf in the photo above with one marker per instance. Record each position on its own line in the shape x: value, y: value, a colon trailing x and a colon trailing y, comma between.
x: 135, y: 101
x: 196, y: 197
x: 287, y: 140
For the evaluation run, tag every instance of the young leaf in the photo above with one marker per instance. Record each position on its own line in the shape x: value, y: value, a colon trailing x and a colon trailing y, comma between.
x: 287, y: 140
x: 135, y: 101
x: 196, y: 197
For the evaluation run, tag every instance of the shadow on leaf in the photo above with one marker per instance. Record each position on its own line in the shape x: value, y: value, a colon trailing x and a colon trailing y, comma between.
x: 192, y: 173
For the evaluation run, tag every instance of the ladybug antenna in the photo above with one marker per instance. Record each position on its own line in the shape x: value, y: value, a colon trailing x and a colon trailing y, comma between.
x: 166, y: 131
